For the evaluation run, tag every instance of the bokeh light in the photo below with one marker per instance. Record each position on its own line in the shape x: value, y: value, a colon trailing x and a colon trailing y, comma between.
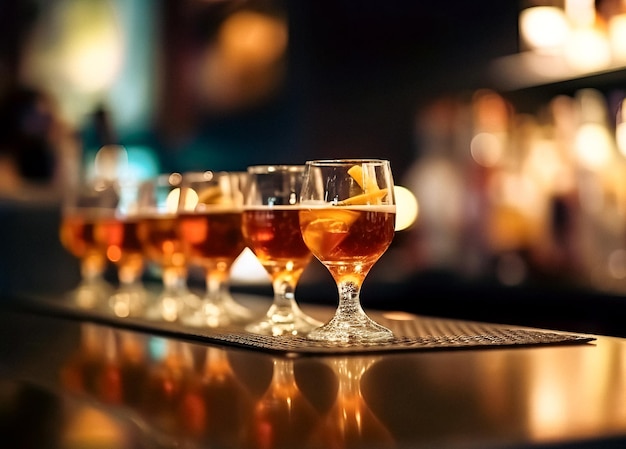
x: 544, y: 28
x: 76, y: 51
x: 406, y: 208
x: 243, y: 64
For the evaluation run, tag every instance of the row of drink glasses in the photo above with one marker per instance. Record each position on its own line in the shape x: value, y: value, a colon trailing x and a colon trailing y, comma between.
x: 340, y: 211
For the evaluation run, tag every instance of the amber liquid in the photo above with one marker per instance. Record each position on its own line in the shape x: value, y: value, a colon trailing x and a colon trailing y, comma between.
x: 273, y: 234
x: 342, y: 237
x: 121, y: 240
x: 160, y: 240
x: 78, y: 235
x: 212, y: 237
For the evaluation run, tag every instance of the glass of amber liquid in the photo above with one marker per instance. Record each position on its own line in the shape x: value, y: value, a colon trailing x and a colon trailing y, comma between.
x: 158, y: 233
x: 119, y: 233
x: 209, y: 221
x: 348, y: 221
x: 84, y: 208
x: 271, y: 228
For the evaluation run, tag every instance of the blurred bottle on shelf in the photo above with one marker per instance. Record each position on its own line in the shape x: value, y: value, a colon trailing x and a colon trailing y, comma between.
x: 519, y: 197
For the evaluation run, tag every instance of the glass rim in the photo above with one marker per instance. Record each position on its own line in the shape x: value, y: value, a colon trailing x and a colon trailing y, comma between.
x: 271, y: 168
x: 167, y: 178
x: 349, y: 161
x: 209, y: 170
x: 209, y: 175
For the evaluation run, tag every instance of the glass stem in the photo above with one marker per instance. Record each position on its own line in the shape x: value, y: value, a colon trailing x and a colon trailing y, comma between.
x: 216, y: 285
x: 349, y: 301
x: 284, y: 306
x: 128, y: 276
x: 284, y: 293
x: 92, y: 268
x: 174, y: 280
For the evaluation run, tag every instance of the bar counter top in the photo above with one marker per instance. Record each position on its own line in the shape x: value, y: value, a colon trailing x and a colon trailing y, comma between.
x: 67, y: 382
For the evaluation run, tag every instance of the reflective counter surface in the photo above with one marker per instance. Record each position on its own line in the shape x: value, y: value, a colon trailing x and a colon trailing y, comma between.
x: 67, y: 383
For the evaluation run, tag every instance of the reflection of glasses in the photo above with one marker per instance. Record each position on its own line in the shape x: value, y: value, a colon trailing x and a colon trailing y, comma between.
x: 347, y: 221
x: 186, y: 394
x: 271, y: 227
x: 350, y: 422
x: 283, y: 413
x: 209, y: 220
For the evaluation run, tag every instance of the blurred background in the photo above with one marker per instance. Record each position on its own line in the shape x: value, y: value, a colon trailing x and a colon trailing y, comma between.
x: 502, y: 119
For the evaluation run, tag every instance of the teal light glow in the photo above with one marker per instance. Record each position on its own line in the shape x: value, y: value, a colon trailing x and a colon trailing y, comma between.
x: 157, y: 348
x: 131, y: 97
x: 142, y: 162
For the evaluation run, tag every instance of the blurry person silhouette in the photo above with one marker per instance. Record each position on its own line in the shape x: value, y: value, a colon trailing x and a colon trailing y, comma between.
x: 33, y: 140
x: 38, y: 159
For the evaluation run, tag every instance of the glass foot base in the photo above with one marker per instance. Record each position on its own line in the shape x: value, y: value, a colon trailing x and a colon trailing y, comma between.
x: 91, y: 295
x: 172, y: 307
x: 208, y: 315
x: 360, y: 329
x: 129, y: 302
x: 237, y: 312
x: 217, y: 312
x: 284, y: 322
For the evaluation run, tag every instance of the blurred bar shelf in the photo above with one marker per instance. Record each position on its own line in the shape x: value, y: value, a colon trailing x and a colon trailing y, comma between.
x: 528, y: 70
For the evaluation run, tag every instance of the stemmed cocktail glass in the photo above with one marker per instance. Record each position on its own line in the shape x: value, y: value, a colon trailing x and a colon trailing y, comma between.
x: 159, y: 235
x: 123, y: 248
x: 347, y: 221
x: 84, y: 207
x: 272, y: 231
x: 209, y: 214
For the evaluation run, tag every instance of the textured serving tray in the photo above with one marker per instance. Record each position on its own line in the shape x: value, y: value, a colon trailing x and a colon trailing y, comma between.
x: 412, y: 332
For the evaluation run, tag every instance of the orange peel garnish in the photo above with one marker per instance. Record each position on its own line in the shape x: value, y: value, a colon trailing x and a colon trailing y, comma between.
x: 364, y: 198
x: 213, y: 195
x: 326, y: 228
x: 356, y: 172
x: 366, y: 182
x: 372, y: 193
